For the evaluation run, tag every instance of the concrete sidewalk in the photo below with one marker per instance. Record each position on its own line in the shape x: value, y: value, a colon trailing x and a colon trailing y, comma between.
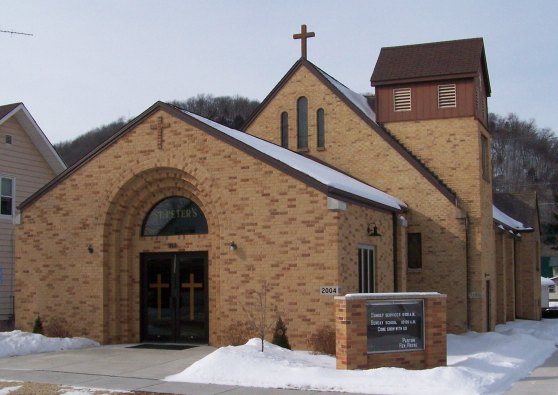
x: 543, y: 380
x: 118, y: 367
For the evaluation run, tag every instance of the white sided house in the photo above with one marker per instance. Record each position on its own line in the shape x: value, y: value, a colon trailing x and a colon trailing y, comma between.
x: 27, y: 162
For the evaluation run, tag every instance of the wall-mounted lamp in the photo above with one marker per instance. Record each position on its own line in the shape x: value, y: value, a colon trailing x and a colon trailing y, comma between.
x: 232, y: 246
x: 90, y: 248
x: 373, y: 230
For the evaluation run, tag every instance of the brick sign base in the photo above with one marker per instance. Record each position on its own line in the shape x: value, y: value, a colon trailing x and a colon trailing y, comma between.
x: 351, y: 326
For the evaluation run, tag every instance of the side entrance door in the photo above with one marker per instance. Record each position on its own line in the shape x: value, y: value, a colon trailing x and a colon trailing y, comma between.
x: 174, y: 297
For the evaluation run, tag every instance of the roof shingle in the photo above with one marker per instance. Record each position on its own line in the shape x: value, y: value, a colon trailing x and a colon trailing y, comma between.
x: 430, y: 61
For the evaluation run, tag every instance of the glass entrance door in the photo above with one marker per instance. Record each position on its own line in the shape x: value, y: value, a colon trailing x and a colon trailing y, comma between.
x: 174, y: 297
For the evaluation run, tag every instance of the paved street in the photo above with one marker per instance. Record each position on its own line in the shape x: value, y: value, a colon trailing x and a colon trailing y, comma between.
x: 543, y: 380
x: 118, y: 367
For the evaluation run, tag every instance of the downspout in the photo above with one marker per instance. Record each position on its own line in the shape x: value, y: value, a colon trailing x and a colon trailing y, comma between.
x: 468, y: 266
x: 394, y: 226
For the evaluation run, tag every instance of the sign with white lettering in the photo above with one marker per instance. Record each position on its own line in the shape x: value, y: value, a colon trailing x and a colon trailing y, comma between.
x: 329, y: 290
x: 395, y: 325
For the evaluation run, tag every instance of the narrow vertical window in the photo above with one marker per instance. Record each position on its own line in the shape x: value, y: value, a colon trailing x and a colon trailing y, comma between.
x: 302, y: 122
x: 321, y: 128
x: 285, y: 129
x: 414, y: 251
x: 485, y: 159
x: 6, y: 196
x: 8, y: 139
x: 366, y: 277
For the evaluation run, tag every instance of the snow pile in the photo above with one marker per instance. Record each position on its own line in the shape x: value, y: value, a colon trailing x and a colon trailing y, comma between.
x: 22, y: 343
x: 7, y: 390
x: 477, y: 364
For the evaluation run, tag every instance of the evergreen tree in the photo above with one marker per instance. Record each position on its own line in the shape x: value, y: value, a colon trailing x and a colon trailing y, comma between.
x: 280, y: 334
x: 38, y: 326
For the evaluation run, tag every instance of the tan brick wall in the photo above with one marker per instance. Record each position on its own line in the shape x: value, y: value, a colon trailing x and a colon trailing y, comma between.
x: 528, y: 286
x: 284, y: 232
x: 351, y: 145
x: 509, y: 268
x: 500, y: 256
x: 452, y: 149
x: 351, y: 330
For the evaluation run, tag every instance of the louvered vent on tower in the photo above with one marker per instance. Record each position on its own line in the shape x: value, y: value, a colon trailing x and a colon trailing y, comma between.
x: 447, y: 96
x: 402, y: 99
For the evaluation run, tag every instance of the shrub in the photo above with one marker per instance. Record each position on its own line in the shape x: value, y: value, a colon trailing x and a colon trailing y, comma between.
x: 57, y: 327
x: 239, y: 333
x: 322, y: 341
x: 280, y: 334
x: 38, y: 326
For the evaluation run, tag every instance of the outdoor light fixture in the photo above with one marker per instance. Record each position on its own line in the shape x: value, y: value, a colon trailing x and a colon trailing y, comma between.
x: 373, y: 230
x: 90, y: 248
x: 233, y: 246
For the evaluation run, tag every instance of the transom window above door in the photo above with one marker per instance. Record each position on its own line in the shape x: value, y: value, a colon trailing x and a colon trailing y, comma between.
x: 174, y: 215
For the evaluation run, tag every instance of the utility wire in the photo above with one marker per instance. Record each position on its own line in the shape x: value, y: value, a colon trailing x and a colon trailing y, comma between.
x: 12, y: 32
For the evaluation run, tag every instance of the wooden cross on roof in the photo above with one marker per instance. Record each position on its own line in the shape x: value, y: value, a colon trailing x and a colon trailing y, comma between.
x: 303, y: 36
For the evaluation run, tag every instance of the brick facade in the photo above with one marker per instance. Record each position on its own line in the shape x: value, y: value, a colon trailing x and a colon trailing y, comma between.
x: 352, y: 146
x: 284, y: 231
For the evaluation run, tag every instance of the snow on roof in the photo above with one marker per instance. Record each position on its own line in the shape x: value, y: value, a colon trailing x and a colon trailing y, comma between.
x: 357, y: 99
x: 547, y: 282
x: 508, y: 221
x: 317, y: 171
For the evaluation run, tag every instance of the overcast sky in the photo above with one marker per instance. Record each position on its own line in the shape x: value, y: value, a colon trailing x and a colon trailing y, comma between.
x: 90, y: 62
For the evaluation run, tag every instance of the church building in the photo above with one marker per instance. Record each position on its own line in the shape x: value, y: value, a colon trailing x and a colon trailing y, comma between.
x: 177, y: 227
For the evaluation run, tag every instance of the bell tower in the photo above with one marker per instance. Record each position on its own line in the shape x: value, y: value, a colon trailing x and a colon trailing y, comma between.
x: 433, y: 98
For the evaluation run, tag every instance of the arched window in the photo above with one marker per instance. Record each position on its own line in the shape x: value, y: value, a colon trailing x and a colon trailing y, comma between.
x: 321, y: 128
x: 174, y: 215
x: 285, y: 129
x: 302, y: 122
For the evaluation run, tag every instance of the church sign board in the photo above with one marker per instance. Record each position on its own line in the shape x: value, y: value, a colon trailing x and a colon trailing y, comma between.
x: 395, y: 325
x: 396, y: 329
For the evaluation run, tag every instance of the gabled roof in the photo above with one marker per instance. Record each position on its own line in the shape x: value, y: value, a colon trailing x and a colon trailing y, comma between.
x: 360, y: 105
x: 431, y: 61
x: 41, y: 142
x: 321, y: 177
x: 508, y: 223
x: 518, y: 214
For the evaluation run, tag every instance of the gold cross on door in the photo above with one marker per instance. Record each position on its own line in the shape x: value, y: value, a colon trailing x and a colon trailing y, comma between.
x: 159, y: 286
x: 191, y: 285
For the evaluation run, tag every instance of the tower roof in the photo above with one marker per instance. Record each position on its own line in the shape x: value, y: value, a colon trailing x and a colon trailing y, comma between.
x: 431, y: 61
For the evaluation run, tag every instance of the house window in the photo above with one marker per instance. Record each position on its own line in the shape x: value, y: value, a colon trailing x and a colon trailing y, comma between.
x: 285, y: 129
x: 321, y: 128
x: 447, y: 96
x: 366, y: 269
x: 414, y: 251
x: 6, y: 196
x: 8, y: 139
x: 302, y: 122
x: 485, y: 159
x: 402, y: 99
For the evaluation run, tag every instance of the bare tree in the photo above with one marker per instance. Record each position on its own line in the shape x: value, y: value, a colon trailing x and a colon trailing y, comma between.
x: 259, y: 311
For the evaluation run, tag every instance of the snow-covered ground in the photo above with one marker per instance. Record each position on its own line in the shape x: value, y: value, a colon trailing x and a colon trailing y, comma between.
x: 478, y: 363
x: 21, y: 343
